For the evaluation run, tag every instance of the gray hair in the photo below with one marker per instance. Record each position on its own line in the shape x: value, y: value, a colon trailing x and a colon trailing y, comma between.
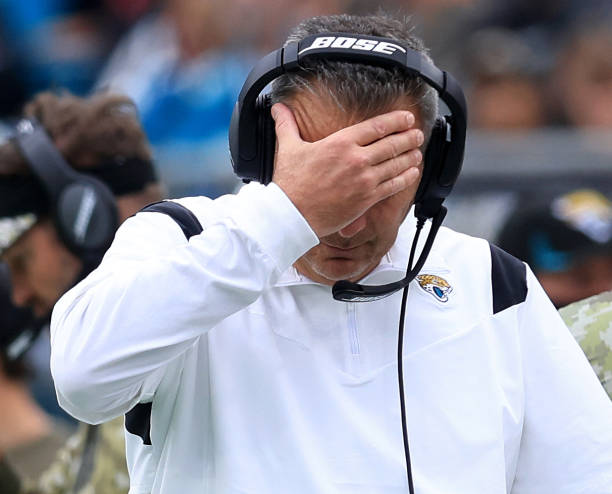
x: 347, y: 83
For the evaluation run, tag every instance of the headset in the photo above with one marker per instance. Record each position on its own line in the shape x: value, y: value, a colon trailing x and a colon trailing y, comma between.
x: 84, y: 208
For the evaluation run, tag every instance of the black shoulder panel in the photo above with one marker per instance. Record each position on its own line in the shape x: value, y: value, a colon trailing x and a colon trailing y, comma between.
x: 138, y: 421
x: 179, y: 213
x: 508, y: 279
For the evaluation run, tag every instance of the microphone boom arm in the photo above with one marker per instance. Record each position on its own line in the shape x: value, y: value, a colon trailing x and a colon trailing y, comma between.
x: 347, y: 291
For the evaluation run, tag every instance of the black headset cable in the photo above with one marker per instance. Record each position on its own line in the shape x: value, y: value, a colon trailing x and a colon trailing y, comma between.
x: 400, y: 361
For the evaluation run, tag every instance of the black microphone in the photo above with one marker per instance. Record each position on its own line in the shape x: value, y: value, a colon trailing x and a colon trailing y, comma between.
x: 347, y: 291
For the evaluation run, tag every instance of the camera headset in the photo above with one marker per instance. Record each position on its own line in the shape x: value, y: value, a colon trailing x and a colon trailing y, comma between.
x: 252, y: 142
x: 83, y: 208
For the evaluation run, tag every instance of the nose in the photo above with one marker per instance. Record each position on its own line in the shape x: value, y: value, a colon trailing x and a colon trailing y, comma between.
x: 353, y: 228
x: 21, y: 292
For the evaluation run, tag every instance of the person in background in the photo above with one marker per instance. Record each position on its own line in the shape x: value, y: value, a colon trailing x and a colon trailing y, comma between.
x: 581, y: 80
x: 505, y: 81
x: 29, y: 437
x: 101, y: 138
x: 566, y: 240
x: 182, y: 66
x: 590, y: 321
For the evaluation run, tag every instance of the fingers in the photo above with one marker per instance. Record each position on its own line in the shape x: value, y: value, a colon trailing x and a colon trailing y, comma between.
x: 394, y: 167
x: 394, y: 145
x: 285, y: 125
x: 398, y: 183
x: 376, y: 128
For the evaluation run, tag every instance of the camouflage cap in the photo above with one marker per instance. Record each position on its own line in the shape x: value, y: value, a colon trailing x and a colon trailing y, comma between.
x: 590, y: 321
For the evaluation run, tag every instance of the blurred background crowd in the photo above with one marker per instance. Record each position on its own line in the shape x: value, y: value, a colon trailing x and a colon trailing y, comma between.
x: 535, y: 70
x: 537, y: 76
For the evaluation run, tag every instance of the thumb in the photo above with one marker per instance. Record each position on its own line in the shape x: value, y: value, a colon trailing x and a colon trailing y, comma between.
x: 285, y: 124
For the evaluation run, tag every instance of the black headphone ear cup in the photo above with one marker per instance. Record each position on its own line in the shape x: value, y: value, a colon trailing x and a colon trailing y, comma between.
x: 86, y: 217
x: 267, y: 140
x: 432, y: 161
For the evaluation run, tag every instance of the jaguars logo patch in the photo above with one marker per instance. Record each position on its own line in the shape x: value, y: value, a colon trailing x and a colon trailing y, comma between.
x: 436, y: 286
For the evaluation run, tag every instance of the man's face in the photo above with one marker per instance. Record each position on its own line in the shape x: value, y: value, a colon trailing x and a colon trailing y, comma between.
x: 41, y: 267
x: 356, y: 250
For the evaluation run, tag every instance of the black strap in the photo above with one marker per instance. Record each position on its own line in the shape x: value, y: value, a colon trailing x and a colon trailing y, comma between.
x: 179, y: 213
x: 138, y: 419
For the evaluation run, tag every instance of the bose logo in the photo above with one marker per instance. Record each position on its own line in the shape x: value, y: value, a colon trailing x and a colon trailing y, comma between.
x: 81, y: 223
x: 354, y: 44
x: 25, y: 126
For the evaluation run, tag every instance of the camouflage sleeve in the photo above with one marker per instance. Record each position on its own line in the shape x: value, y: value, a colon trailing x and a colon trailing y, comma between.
x: 59, y: 477
x: 109, y: 474
x: 92, y: 461
x: 590, y: 321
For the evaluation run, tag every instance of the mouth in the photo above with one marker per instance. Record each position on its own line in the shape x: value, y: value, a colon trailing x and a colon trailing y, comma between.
x: 341, y: 250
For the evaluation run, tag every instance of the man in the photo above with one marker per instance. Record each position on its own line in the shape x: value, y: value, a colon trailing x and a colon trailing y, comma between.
x: 29, y: 437
x: 99, y: 137
x: 566, y: 240
x: 246, y: 376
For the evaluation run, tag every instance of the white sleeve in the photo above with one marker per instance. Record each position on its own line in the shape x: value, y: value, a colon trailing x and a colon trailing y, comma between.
x: 154, y: 294
x: 566, y: 447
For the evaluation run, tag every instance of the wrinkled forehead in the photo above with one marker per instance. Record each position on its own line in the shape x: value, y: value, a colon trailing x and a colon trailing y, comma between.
x: 319, y: 113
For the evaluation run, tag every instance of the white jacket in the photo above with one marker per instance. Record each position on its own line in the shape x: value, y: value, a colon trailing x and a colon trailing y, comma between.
x: 259, y: 382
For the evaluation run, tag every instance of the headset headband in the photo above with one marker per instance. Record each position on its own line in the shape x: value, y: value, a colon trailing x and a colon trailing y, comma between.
x: 43, y: 157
